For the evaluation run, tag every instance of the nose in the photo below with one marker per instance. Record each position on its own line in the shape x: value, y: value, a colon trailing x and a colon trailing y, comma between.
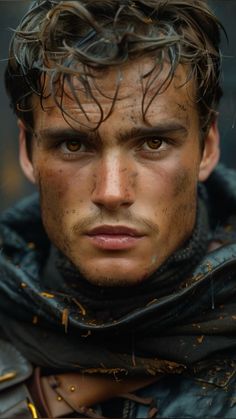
x: 114, y: 185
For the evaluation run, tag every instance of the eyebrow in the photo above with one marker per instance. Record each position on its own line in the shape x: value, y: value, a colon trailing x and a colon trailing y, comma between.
x: 54, y: 134
x: 163, y: 128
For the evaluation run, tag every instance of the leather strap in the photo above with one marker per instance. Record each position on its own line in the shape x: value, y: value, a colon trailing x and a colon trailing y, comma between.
x: 68, y: 393
x: 14, y: 403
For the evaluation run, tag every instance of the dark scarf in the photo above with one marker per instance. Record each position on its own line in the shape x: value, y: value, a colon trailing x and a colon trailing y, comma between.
x: 183, y: 314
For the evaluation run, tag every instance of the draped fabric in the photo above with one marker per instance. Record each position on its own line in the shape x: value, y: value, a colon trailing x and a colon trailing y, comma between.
x: 180, y: 317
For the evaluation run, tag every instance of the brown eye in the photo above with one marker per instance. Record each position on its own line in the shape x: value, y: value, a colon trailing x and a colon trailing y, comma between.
x: 154, y: 143
x: 73, y: 146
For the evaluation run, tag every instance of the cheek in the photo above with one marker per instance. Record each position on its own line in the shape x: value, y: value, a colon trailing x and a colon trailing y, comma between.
x: 59, y: 200
x: 171, y: 184
x: 183, y: 183
x: 176, y: 199
x: 52, y: 185
x: 184, y: 199
x: 62, y: 188
x: 51, y: 196
x: 62, y: 203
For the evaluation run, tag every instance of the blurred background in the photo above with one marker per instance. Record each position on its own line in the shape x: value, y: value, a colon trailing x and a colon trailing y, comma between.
x: 12, y: 183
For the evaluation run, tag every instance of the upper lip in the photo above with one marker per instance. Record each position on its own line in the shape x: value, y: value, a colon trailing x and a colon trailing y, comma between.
x: 114, y: 230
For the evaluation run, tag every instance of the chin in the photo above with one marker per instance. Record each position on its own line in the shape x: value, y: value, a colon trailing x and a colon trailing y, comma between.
x: 112, y: 282
x: 113, y: 279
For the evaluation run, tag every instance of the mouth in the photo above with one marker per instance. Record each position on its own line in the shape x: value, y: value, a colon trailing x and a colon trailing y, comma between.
x: 109, y: 237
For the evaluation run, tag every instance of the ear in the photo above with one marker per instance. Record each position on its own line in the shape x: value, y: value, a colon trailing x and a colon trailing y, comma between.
x: 25, y: 161
x: 211, y: 153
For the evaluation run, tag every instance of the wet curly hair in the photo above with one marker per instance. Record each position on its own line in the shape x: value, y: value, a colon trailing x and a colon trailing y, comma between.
x: 63, y: 40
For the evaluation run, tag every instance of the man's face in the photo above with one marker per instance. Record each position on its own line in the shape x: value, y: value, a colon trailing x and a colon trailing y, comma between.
x: 120, y: 200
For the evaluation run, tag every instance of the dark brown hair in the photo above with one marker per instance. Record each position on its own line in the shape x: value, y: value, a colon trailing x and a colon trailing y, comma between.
x: 62, y: 39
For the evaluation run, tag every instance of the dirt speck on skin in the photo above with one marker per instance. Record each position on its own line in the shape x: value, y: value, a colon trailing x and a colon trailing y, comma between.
x: 153, y: 259
x: 182, y: 107
x: 165, y: 210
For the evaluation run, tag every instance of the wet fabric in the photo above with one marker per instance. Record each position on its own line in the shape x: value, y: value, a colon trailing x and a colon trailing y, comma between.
x: 183, y: 316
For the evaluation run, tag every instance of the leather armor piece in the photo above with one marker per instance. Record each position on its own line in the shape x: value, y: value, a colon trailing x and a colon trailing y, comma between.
x: 14, y: 370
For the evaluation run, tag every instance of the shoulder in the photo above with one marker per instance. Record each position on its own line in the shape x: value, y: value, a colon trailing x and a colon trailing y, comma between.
x: 184, y: 397
x: 14, y: 368
x: 14, y: 371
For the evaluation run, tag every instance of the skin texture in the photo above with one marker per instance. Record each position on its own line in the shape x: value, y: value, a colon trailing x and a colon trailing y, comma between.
x: 117, y: 177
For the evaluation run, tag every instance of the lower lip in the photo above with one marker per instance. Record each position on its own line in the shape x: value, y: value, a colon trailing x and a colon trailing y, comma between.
x: 114, y: 242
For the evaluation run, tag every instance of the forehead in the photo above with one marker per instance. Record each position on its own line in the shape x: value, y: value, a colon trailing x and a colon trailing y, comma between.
x: 126, y: 92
